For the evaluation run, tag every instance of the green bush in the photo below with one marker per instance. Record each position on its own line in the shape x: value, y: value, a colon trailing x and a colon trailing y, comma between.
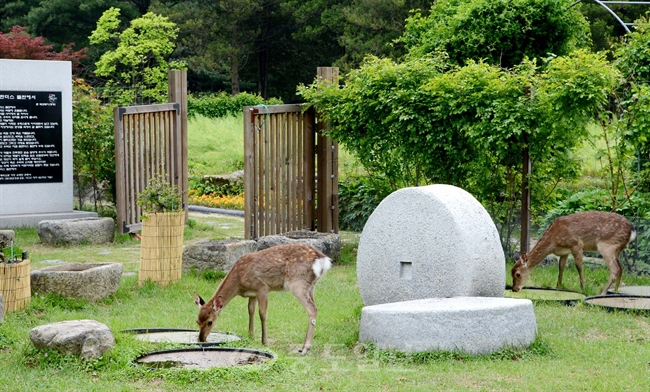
x: 160, y: 196
x: 358, y: 198
x: 211, y: 185
x: 223, y: 104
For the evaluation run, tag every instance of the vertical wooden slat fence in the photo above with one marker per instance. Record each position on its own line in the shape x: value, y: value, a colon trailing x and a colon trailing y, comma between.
x: 278, y: 158
x: 280, y: 172
x: 148, y: 143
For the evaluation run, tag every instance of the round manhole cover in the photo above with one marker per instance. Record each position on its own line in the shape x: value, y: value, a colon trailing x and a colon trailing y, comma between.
x: 545, y: 294
x: 643, y: 291
x: 181, y: 336
x: 622, y: 302
x: 204, y: 358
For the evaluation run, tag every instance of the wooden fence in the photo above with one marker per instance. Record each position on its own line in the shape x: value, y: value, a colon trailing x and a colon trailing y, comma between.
x: 150, y: 140
x: 280, y: 165
x: 148, y: 143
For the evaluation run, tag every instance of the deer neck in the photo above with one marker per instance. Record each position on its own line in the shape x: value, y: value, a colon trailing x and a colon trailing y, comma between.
x: 227, y: 290
x: 542, y: 249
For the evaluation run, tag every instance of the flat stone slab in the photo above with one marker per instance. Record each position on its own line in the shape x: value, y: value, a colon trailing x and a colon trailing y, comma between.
x: 433, y: 241
x: 87, y: 339
x: 77, y: 231
x: 473, y: 325
x: 91, y: 281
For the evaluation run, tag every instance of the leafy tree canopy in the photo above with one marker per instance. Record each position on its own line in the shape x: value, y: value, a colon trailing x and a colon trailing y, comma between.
x: 139, y: 60
x: 500, y: 32
x: 18, y: 44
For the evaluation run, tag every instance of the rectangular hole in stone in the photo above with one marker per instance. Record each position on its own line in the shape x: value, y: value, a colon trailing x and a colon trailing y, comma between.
x: 405, y: 270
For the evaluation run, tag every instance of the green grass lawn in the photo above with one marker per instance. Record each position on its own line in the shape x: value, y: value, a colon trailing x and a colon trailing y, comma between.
x: 216, y: 146
x: 579, y: 348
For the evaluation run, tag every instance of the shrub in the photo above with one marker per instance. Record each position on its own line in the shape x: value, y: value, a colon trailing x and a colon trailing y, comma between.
x: 358, y: 198
x: 160, y: 196
x: 223, y: 104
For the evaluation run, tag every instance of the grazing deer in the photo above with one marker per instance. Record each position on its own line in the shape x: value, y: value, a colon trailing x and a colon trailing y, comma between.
x: 605, y: 232
x: 293, y: 267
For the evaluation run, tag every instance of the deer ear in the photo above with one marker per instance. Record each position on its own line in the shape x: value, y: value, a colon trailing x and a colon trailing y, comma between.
x: 217, y: 304
x: 198, y: 300
x: 524, y: 259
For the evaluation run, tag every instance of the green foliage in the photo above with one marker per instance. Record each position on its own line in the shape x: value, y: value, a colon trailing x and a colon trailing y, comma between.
x: 93, y: 143
x: 500, y: 32
x: 160, y: 196
x: 139, y: 60
x: 223, y: 104
x: 358, y: 198
x: 10, y: 253
x: 421, y: 122
x: 213, y: 186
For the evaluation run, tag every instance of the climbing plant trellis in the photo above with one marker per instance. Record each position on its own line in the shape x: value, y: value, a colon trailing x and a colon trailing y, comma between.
x: 605, y: 5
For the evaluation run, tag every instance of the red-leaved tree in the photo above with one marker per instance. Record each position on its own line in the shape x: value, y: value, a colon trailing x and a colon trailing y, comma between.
x: 18, y: 44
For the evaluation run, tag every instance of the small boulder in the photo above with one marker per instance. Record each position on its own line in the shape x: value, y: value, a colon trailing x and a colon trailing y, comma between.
x: 77, y: 231
x: 87, y: 339
x: 328, y: 243
x: 215, y: 255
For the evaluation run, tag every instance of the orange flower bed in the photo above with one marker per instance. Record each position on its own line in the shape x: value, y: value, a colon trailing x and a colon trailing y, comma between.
x: 212, y: 200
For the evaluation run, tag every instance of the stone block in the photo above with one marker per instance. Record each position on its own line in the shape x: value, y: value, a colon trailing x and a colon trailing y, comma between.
x: 215, y: 255
x: 427, y: 242
x: 473, y: 325
x: 87, y: 339
x: 77, y: 231
x: 6, y: 236
x: 93, y: 281
x: 328, y: 243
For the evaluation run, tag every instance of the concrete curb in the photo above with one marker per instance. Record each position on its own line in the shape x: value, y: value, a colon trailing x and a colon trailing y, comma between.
x: 210, y: 210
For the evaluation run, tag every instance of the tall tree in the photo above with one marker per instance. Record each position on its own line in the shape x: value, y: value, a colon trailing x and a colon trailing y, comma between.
x: 217, y: 36
x: 138, y: 65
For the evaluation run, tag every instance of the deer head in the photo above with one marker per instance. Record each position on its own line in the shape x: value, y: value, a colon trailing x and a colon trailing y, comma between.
x: 520, y: 273
x: 208, y: 313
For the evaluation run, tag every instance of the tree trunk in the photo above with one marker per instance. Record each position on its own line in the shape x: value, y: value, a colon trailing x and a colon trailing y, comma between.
x: 234, y: 62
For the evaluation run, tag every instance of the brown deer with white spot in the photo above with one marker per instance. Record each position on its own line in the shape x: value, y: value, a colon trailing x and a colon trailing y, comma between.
x: 293, y: 267
x: 605, y: 232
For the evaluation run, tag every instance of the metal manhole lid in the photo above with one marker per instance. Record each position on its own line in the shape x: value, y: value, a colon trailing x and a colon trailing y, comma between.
x: 204, y: 358
x: 642, y: 291
x: 181, y: 336
x: 620, y: 302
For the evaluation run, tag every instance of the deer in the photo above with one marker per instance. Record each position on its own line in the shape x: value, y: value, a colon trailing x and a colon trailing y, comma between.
x: 295, y: 267
x: 606, y: 232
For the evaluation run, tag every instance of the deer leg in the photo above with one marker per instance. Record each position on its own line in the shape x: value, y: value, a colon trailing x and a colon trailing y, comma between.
x: 305, y: 295
x: 252, y: 303
x: 561, y: 265
x: 263, y: 299
x: 615, y: 271
x: 577, y: 256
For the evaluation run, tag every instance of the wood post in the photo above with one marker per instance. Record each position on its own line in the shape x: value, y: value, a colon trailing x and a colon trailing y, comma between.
x: 327, y: 166
x: 177, y: 93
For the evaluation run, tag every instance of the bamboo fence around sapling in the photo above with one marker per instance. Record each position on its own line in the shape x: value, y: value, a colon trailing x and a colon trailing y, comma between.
x: 15, y: 285
x: 161, y: 252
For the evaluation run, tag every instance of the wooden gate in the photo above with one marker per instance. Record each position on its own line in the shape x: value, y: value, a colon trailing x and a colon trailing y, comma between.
x: 148, y: 143
x: 281, y: 193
